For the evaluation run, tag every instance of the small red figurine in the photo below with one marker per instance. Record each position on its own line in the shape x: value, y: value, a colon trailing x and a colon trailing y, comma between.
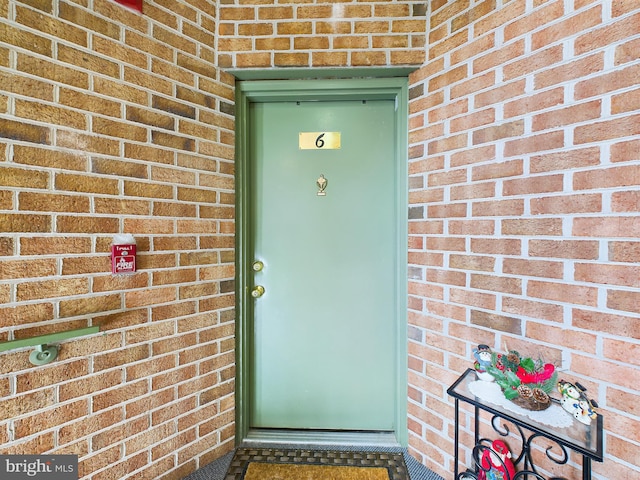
x: 496, y: 463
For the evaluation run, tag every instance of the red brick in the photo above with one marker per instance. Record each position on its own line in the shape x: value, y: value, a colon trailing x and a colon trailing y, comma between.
x: 562, y: 337
x: 497, y: 246
x: 496, y: 284
x: 499, y: 17
x: 499, y: 94
x: 535, y: 143
x: 448, y: 12
x: 476, y: 190
x: 470, y: 16
x: 500, y: 208
x: 567, y: 116
x: 576, y: 249
x: 151, y: 367
x: 473, y: 155
x: 534, y: 185
x: 606, y: 227
x: 622, y: 176
x: 627, y: 52
x: 532, y: 227
x: 51, y: 375
x: 427, y: 133
x: 51, y: 418
x: 450, y: 110
x: 533, y: 268
x: 472, y: 48
x: 601, y: 84
x: 496, y: 322
x: 511, y: 168
x: 474, y: 84
x: 313, y: 11
x: 448, y: 78
x: 535, y: 102
x: 622, y: 351
x: 625, y: 201
x: 452, y: 142
x: 566, y: 204
x: 562, y: 292
x: 625, y: 151
x: 534, y: 20
x: 565, y: 160
x: 485, y: 301
x: 19, y: 315
x: 473, y: 120
x: 499, y: 57
x: 51, y: 288
x: 472, y: 262
x: 626, y: 102
x: 86, y: 184
x: 498, y: 132
x: 614, y: 324
x: 533, y: 308
x: 627, y: 301
x: 608, y: 34
x: 453, y: 42
x: 624, y: 252
x: 569, y: 71
x: 621, y: 375
x: 595, y: 132
x: 571, y: 25
x: 447, y: 178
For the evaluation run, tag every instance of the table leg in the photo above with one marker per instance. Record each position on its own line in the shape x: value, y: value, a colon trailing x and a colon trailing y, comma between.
x: 586, y: 468
x: 456, y: 439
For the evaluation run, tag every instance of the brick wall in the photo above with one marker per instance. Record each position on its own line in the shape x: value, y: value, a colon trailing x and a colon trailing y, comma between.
x: 112, y: 121
x: 337, y: 33
x: 523, y: 220
x: 524, y: 201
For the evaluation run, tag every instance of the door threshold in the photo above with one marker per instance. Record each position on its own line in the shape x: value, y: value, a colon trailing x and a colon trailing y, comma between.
x: 321, y: 437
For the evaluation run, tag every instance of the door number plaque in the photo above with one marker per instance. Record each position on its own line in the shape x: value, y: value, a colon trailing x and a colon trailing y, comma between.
x: 319, y: 140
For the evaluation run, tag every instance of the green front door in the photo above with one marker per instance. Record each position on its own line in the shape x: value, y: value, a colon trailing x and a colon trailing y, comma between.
x: 324, y: 334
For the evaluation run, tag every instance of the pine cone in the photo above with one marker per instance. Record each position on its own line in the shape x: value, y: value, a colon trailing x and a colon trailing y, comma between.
x: 525, y: 392
x: 540, y: 396
x: 513, y: 358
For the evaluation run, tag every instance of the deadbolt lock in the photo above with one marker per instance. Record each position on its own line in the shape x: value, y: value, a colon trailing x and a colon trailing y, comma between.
x: 257, y: 266
x: 257, y: 291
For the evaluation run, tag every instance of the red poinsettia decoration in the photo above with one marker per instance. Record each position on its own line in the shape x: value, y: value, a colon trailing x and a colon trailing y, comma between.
x: 136, y: 4
x: 519, y: 376
x: 537, y: 376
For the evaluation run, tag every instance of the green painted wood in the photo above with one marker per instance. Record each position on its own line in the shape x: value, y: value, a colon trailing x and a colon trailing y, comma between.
x: 247, y: 93
x: 324, y: 345
x: 317, y: 73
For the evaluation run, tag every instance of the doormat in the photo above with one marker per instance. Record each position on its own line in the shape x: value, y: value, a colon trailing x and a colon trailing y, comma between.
x: 282, y: 464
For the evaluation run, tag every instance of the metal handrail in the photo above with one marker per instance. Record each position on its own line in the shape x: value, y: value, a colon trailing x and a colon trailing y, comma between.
x: 45, y: 353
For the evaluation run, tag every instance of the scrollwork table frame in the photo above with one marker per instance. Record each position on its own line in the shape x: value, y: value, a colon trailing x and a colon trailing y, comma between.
x: 585, y: 440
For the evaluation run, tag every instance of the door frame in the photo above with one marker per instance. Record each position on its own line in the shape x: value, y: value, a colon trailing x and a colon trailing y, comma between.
x: 247, y: 92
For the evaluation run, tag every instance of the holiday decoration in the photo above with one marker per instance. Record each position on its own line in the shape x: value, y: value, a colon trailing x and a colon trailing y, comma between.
x: 483, y: 356
x: 496, y: 463
x: 524, y: 381
x: 575, y: 401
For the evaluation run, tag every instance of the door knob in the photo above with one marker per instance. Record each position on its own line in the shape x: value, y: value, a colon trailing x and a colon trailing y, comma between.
x: 257, y: 291
x: 257, y: 266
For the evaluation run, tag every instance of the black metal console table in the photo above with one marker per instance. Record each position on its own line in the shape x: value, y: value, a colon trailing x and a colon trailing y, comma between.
x: 583, y: 439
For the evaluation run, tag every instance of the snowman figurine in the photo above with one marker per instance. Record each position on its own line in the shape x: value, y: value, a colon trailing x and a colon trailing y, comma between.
x: 575, y: 401
x: 483, y: 355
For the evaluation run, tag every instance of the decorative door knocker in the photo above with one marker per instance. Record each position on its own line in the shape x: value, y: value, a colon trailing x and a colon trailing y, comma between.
x: 322, y: 185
